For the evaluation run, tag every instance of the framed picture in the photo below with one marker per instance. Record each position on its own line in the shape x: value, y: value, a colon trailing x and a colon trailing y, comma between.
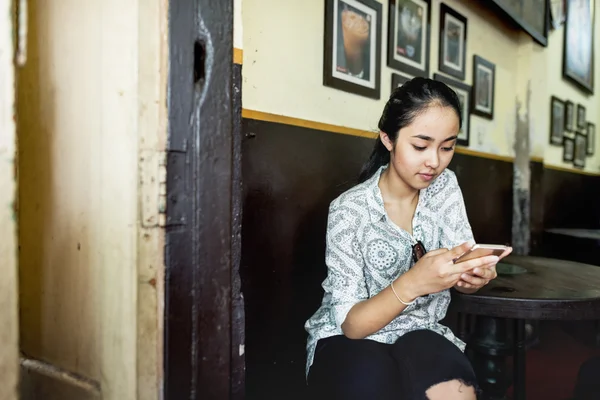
x: 569, y: 116
x: 591, y: 139
x: 578, y: 48
x: 409, y: 27
x: 484, y: 76
x: 463, y: 92
x: 568, y: 150
x: 353, y: 46
x: 580, y: 151
x: 530, y: 15
x: 581, y: 123
x: 399, y: 80
x: 557, y: 123
x: 453, y: 42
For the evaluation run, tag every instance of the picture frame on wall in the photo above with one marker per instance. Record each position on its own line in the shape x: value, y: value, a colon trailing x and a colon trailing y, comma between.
x: 484, y: 77
x: 557, y: 13
x: 399, y: 80
x: 591, y: 138
x: 578, y: 46
x: 569, y: 150
x: 581, y: 117
x: 352, y: 46
x: 569, y: 116
x: 580, y: 150
x: 557, y: 123
x: 453, y: 42
x: 409, y: 29
x: 532, y: 16
x: 463, y: 91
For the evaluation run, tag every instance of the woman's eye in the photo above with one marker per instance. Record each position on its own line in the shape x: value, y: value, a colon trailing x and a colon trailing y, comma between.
x: 418, y: 148
x: 448, y: 148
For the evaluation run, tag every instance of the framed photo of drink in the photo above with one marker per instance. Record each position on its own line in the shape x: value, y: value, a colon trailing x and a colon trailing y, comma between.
x: 463, y: 91
x: 409, y: 27
x: 453, y: 42
x: 352, y: 59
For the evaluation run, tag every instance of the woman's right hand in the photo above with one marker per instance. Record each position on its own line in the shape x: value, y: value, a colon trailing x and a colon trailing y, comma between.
x: 436, y: 271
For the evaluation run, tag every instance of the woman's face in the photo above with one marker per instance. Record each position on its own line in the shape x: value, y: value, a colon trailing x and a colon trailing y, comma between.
x: 425, y: 147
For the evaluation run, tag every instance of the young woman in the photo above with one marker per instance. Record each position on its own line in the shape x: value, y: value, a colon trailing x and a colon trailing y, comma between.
x: 391, y: 242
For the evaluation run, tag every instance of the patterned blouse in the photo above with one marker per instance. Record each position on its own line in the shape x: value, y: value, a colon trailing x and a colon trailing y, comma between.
x: 366, y: 252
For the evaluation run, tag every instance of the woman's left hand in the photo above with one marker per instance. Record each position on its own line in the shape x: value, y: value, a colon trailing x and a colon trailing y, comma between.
x: 479, y: 277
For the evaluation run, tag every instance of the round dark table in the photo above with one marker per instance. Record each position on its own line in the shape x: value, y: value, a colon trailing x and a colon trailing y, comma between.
x: 527, y: 288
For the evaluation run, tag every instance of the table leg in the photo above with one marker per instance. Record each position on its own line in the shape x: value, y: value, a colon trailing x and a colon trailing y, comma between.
x: 488, y: 347
x: 519, y: 360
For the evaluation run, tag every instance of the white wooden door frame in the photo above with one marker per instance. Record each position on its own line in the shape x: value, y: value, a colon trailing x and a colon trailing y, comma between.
x: 9, y: 364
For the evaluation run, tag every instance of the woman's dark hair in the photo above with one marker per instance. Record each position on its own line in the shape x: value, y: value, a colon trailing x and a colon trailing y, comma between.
x: 405, y: 104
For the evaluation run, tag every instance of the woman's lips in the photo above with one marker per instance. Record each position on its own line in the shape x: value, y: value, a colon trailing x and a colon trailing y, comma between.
x: 426, y: 177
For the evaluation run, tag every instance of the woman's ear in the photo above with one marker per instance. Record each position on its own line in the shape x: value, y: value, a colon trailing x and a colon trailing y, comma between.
x: 385, y: 139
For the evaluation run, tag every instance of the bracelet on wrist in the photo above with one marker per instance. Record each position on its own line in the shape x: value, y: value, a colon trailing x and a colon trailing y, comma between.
x: 398, y: 297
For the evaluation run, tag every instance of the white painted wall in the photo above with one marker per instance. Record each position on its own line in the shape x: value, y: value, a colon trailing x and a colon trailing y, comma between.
x: 555, y: 85
x: 283, y: 64
x: 238, y: 32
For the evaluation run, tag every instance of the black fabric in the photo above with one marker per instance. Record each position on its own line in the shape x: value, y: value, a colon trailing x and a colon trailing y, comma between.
x: 588, y: 380
x: 365, y: 369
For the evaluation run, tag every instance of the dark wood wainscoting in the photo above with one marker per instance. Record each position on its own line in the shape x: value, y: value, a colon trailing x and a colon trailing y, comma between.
x: 569, y: 200
x: 488, y: 192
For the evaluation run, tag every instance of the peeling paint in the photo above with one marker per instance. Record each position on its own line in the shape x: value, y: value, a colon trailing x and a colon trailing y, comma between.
x: 521, y: 178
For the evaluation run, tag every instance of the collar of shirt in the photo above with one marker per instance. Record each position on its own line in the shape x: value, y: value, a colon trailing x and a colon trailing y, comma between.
x: 375, y: 199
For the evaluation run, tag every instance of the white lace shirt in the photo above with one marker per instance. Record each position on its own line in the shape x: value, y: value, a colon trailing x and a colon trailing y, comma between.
x: 365, y: 252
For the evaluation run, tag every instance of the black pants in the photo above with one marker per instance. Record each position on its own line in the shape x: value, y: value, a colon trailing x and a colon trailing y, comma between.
x: 365, y: 369
x: 588, y: 380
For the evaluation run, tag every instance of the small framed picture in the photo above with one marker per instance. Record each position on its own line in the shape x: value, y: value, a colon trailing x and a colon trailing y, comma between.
x: 568, y: 150
x: 484, y: 76
x: 399, y: 80
x: 557, y: 123
x: 453, y: 42
x: 569, y: 116
x: 580, y: 151
x: 591, y: 138
x: 353, y: 46
x: 581, y: 122
x: 463, y: 92
x: 409, y: 27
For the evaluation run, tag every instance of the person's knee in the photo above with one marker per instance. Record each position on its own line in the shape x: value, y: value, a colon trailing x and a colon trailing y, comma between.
x: 369, y: 380
x: 451, y: 390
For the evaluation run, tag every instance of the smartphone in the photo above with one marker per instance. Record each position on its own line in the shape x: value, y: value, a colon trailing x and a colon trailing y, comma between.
x: 481, y: 250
